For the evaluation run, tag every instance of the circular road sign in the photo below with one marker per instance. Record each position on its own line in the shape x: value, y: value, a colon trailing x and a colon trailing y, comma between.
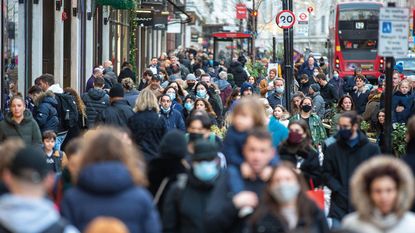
x: 303, y: 16
x: 285, y: 19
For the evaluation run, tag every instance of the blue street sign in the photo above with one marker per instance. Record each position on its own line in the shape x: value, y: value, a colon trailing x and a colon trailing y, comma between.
x: 387, y: 27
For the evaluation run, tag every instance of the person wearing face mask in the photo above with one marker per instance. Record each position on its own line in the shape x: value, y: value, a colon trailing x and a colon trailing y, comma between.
x: 298, y: 149
x: 382, y: 192
x: 338, y: 83
x: 305, y: 83
x: 318, y: 101
x: 277, y: 98
x: 176, y: 101
x: 191, y: 82
x: 188, y: 106
x: 286, y: 207
x: 202, y: 91
x: 187, y: 200
x: 351, y: 148
x: 317, y: 130
x: 172, y: 117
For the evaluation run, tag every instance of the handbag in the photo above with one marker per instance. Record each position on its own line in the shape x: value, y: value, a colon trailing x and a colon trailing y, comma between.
x: 316, y: 195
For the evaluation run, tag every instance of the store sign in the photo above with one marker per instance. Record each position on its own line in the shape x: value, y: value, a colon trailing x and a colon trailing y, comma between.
x: 241, y: 11
x: 174, y: 26
x: 160, y: 21
x: 145, y: 18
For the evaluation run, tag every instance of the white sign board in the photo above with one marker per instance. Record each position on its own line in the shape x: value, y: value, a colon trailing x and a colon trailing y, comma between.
x: 174, y: 26
x: 393, y: 32
x: 301, y: 27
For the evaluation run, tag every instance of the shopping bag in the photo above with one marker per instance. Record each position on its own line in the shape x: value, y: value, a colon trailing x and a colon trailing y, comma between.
x: 316, y: 194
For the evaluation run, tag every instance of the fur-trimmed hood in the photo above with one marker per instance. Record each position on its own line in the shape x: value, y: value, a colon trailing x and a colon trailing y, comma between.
x: 361, y: 197
x: 48, y: 97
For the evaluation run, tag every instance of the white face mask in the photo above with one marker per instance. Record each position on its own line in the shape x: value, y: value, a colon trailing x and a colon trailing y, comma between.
x: 285, y: 192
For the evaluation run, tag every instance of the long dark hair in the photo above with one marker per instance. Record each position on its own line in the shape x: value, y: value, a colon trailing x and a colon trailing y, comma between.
x: 339, y: 107
x: 306, y: 208
x: 304, y: 146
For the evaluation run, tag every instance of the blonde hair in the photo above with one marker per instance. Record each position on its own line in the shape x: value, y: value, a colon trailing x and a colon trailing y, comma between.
x: 255, y: 107
x: 113, y: 147
x: 405, y: 81
x: 127, y: 83
x: 147, y: 100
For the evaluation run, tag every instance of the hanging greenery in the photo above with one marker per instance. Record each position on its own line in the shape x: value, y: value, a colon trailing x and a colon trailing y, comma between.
x: 398, y: 139
x: 118, y: 4
x: 256, y: 69
x: 133, y: 39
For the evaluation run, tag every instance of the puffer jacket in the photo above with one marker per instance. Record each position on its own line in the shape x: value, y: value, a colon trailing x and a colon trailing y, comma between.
x: 406, y: 101
x: 45, y: 112
x: 95, y: 100
x: 107, y: 189
x: 148, y: 128
x: 27, y: 130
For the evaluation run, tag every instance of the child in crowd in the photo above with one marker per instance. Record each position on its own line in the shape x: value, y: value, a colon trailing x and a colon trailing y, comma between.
x: 402, y: 102
x: 248, y: 114
x: 56, y: 159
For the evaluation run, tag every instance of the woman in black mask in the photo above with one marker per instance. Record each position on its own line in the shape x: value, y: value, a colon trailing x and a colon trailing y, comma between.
x: 298, y: 150
x: 317, y: 130
x: 198, y: 126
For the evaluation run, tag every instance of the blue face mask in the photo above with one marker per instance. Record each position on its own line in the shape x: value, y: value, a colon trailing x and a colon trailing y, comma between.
x: 172, y: 96
x: 206, y: 170
x: 165, y: 110
x: 201, y: 94
x: 188, y: 106
x: 336, y: 76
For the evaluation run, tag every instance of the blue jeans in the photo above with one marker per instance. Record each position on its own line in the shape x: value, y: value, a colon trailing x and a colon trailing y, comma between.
x: 59, y: 140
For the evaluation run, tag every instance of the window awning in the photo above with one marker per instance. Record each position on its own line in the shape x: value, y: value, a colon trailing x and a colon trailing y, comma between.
x: 118, y: 4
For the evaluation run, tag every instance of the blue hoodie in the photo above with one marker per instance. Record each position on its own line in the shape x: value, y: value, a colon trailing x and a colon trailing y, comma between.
x: 107, y: 189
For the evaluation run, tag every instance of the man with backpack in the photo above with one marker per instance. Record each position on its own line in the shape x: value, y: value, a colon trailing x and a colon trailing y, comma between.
x: 26, y: 209
x: 66, y: 108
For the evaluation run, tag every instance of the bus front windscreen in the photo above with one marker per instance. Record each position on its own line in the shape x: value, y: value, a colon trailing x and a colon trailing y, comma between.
x: 359, y: 15
x: 358, y: 44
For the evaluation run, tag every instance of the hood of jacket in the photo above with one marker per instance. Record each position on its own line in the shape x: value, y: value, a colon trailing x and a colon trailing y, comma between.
x: 96, y: 94
x: 361, y: 197
x: 25, y: 215
x: 47, y: 97
x: 132, y: 92
x: 105, y: 178
x: 56, y: 88
x: 27, y: 117
x: 222, y: 84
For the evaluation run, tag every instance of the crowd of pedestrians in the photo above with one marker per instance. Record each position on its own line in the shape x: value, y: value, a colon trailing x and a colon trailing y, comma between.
x: 198, y: 145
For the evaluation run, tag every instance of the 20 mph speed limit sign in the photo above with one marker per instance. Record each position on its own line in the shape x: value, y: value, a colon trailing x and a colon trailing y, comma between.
x: 285, y: 19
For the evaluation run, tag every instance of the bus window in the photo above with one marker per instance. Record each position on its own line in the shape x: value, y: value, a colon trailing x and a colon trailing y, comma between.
x: 358, y: 44
x: 357, y: 15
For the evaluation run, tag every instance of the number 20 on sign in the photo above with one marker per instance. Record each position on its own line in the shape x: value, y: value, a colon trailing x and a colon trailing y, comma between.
x: 285, y: 19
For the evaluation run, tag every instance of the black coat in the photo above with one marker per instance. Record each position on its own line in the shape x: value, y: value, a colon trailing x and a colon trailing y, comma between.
x: 360, y: 101
x: 148, y: 128
x: 309, y: 160
x: 127, y: 73
x: 95, y: 100
x: 117, y: 114
x: 271, y: 224
x: 340, y: 162
x: 185, y: 205
x: 329, y: 94
x: 221, y: 214
x: 238, y: 72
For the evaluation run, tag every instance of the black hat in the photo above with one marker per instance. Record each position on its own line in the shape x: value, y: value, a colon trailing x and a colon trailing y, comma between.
x: 204, y: 150
x: 173, y: 145
x: 116, y: 91
x: 29, y: 164
x: 315, y: 87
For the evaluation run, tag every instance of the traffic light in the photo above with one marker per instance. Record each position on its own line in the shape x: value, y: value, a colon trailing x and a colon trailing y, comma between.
x: 254, y: 13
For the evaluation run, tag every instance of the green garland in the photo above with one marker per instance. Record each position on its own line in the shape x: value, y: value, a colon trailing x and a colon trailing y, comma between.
x: 133, y: 38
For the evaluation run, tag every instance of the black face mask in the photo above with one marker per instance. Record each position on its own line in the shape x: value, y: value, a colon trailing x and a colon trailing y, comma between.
x: 191, y: 85
x: 193, y: 137
x: 321, y: 64
x: 306, y: 108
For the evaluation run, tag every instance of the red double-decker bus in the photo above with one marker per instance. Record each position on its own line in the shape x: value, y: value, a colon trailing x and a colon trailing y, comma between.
x: 353, y: 39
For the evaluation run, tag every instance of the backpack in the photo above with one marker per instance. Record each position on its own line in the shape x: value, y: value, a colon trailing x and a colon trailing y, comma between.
x: 57, y: 227
x: 67, y: 111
